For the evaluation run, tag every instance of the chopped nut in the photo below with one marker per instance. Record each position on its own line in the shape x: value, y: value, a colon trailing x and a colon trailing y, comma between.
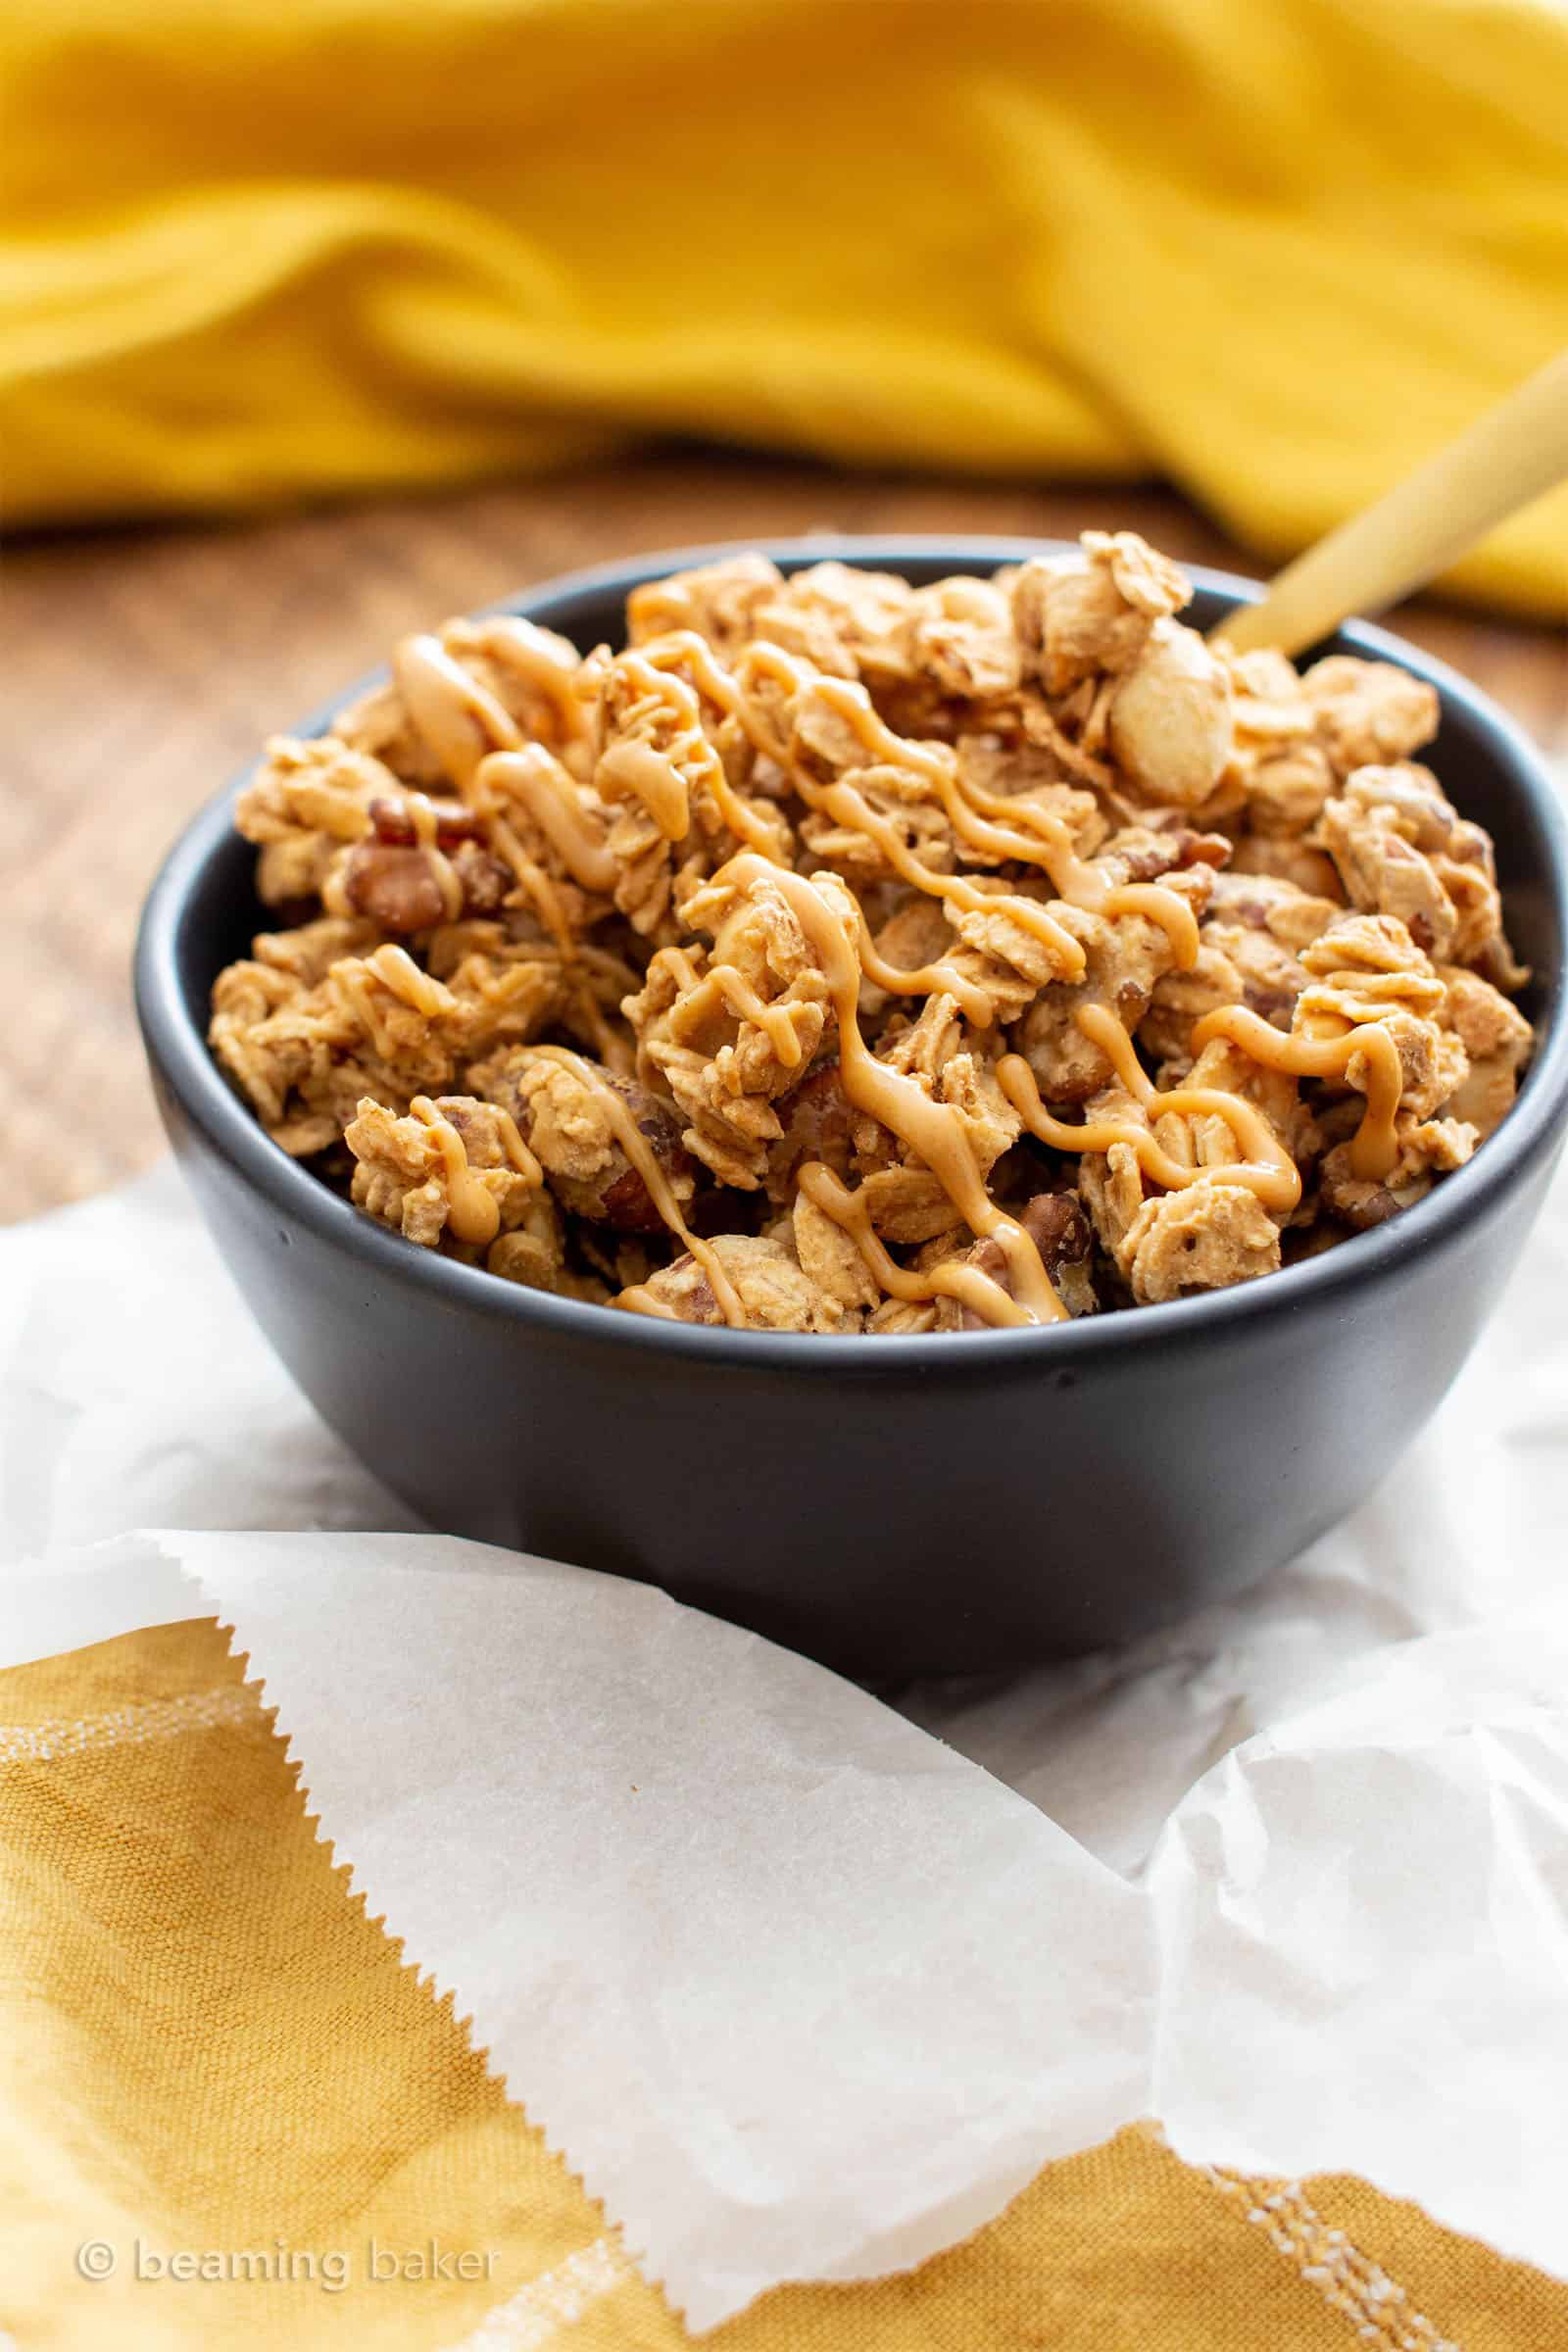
x: 1171, y: 729
x: 1062, y: 1234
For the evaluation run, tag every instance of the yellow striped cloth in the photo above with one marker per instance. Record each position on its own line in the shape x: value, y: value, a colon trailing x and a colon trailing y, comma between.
x: 285, y: 247
x: 232, y: 2115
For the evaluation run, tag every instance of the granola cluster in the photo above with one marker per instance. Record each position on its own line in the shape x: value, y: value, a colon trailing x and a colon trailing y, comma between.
x: 842, y: 955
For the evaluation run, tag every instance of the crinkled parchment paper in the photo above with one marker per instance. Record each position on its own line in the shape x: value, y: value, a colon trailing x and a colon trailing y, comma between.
x: 800, y: 1990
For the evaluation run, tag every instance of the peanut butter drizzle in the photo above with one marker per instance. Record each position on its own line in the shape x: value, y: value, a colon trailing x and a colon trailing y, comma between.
x: 400, y: 976
x: 1167, y: 907
x: 933, y: 1129
x: 677, y: 646
x: 1072, y: 877
x: 397, y: 970
x: 517, y: 1151
x: 534, y: 776
x: 685, y: 646
x: 965, y: 804
x: 849, y: 1211
x: 426, y: 828
x: 633, y: 770
x: 1267, y: 1169
x: 473, y: 1214
x: 679, y: 960
x: 528, y: 651
x: 848, y: 807
x: 468, y: 728
x: 654, y: 670
x: 460, y: 719
x: 640, y: 1153
x: 464, y: 726
x: 1375, y: 1146
x: 722, y: 984
x: 925, y: 979
x: 638, y: 1300
x: 463, y: 722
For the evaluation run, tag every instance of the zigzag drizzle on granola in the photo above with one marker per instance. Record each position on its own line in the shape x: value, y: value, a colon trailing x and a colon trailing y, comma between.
x: 848, y: 956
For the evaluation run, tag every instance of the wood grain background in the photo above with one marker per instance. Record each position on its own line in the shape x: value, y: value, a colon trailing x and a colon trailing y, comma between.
x: 144, y: 667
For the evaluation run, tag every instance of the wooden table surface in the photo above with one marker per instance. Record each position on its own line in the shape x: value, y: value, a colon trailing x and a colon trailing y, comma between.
x: 144, y: 667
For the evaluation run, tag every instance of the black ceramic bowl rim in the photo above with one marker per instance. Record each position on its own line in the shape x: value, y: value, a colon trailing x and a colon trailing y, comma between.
x: 177, y: 1047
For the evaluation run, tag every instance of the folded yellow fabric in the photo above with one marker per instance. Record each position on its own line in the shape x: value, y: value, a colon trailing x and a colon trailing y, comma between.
x: 232, y: 2116
x: 280, y: 247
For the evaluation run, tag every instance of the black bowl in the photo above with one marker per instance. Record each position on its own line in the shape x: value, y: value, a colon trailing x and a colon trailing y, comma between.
x: 891, y: 1505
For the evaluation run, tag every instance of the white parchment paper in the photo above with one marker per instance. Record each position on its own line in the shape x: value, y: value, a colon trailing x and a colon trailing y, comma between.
x: 799, y: 1989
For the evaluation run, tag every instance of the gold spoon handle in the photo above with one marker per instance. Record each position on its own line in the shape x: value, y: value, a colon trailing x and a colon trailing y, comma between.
x: 1507, y: 458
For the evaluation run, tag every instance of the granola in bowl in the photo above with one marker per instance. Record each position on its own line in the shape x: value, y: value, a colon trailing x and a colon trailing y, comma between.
x: 848, y: 956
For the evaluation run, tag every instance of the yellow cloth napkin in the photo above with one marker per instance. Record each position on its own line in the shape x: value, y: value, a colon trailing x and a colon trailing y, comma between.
x: 231, y: 2115
x: 1276, y: 252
